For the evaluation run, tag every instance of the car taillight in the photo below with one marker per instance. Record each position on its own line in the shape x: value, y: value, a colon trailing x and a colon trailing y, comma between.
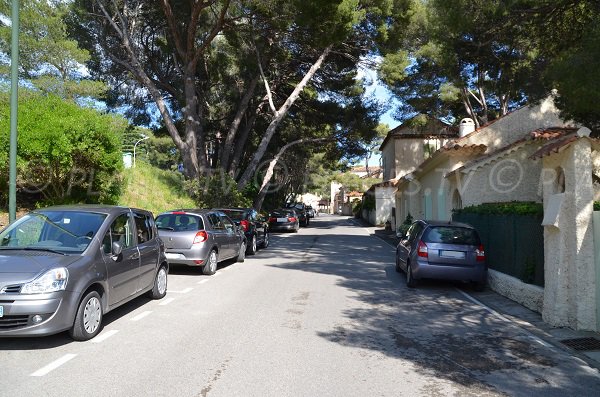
x: 292, y: 219
x: 272, y: 219
x: 480, y: 253
x: 245, y: 225
x: 200, y: 237
x: 178, y: 212
x: 422, y: 250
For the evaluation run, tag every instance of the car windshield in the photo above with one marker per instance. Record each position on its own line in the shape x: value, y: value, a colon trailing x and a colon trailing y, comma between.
x: 451, y: 235
x: 235, y: 215
x: 179, y: 222
x: 58, y: 231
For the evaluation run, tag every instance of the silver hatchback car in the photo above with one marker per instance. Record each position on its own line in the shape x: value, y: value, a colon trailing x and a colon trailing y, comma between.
x: 200, y: 237
x: 441, y: 250
x: 63, y: 268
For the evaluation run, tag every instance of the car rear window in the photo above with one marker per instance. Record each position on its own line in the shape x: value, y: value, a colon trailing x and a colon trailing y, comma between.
x: 235, y: 215
x: 179, y: 222
x: 451, y: 235
x: 282, y: 213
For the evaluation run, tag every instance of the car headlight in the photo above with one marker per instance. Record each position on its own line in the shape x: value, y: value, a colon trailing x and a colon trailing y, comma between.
x: 51, y: 281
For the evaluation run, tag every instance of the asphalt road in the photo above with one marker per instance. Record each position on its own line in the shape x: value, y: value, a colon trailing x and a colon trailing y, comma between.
x: 319, y: 313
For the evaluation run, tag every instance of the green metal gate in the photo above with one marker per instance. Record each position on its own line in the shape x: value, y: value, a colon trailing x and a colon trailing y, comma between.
x: 514, y: 244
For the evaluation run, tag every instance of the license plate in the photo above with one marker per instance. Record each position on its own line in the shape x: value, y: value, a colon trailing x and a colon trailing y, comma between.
x: 1, y: 311
x: 452, y: 254
x: 282, y: 219
x: 170, y: 255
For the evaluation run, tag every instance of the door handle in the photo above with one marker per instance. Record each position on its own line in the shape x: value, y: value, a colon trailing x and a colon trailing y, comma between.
x: 135, y: 256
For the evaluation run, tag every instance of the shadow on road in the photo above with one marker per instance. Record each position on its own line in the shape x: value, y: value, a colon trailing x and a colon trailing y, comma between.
x: 433, y: 326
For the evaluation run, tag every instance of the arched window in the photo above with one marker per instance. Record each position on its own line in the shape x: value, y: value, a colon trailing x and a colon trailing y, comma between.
x: 456, y: 200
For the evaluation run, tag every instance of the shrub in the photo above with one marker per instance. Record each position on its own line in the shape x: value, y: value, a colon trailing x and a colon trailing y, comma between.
x: 65, y: 153
x: 513, y: 207
x: 217, y: 190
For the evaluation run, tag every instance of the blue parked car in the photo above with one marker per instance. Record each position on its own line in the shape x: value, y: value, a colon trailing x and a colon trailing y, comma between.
x: 443, y: 251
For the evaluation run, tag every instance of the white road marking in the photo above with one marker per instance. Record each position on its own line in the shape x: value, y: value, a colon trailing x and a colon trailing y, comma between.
x: 165, y: 302
x: 203, y: 281
x: 53, y: 365
x: 141, y: 316
x: 185, y: 291
x: 104, y: 336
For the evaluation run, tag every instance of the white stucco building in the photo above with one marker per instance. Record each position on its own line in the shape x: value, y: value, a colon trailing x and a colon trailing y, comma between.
x: 529, y: 155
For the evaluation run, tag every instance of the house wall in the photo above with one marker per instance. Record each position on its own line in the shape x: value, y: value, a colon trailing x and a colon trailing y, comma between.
x: 384, y: 201
x: 516, y: 125
x: 388, y: 160
x: 514, y: 177
x: 409, y: 155
x: 570, y: 297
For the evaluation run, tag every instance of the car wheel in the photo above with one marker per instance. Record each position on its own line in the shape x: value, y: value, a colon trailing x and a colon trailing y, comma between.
x: 242, y: 252
x: 410, y: 280
x: 398, y: 269
x: 88, y: 319
x: 265, y: 243
x: 252, y: 248
x: 210, y: 267
x: 159, y: 290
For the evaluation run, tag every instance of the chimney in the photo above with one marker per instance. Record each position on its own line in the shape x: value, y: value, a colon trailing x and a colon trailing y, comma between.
x: 465, y: 127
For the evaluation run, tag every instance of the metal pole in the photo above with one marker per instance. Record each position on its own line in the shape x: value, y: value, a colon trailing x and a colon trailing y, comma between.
x: 14, y: 92
x: 134, y: 146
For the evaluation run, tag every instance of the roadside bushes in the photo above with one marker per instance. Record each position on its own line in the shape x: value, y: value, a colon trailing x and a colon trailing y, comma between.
x: 513, y: 207
x: 65, y: 153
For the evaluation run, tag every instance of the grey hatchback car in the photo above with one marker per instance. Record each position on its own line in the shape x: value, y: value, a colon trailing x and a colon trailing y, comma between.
x: 63, y: 268
x: 441, y: 250
x: 200, y: 237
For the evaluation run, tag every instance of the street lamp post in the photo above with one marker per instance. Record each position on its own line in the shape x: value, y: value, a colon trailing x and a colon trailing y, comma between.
x: 144, y: 137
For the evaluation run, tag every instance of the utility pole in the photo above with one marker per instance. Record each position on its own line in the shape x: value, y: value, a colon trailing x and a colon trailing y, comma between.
x: 14, y: 100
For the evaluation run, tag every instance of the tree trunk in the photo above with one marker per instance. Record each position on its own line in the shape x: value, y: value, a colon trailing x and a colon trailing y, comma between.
x: 269, y: 174
x: 235, y: 124
x: 279, y: 115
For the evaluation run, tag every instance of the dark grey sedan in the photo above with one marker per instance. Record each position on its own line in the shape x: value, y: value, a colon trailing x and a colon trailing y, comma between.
x: 284, y: 219
x: 200, y: 237
x: 63, y: 268
x: 441, y: 250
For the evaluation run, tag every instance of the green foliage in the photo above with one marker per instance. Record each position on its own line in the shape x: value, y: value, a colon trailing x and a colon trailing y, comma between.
x: 511, y: 208
x: 357, y: 208
x: 48, y: 57
x: 353, y: 182
x: 162, y: 153
x: 368, y: 203
x: 403, y: 228
x: 66, y: 153
x: 217, y: 190
x: 596, y: 205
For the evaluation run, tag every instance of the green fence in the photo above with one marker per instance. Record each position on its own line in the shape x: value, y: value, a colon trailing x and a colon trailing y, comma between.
x: 514, y: 244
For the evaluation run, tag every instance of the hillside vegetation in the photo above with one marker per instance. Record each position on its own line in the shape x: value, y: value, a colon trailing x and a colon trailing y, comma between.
x: 153, y: 189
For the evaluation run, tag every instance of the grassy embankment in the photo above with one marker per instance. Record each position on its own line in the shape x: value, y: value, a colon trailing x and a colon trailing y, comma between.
x: 154, y: 189
x: 145, y: 187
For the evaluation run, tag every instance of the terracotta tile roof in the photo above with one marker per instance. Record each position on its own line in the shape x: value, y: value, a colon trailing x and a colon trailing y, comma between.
x: 354, y: 194
x: 453, y: 146
x: 554, y: 146
x: 552, y: 132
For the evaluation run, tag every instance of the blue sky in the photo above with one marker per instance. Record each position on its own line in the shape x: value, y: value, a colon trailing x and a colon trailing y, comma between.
x: 374, y: 87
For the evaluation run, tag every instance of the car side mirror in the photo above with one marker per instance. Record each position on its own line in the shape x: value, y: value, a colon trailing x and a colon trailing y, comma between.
x: 400, y: 235
x: 117, y: 248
